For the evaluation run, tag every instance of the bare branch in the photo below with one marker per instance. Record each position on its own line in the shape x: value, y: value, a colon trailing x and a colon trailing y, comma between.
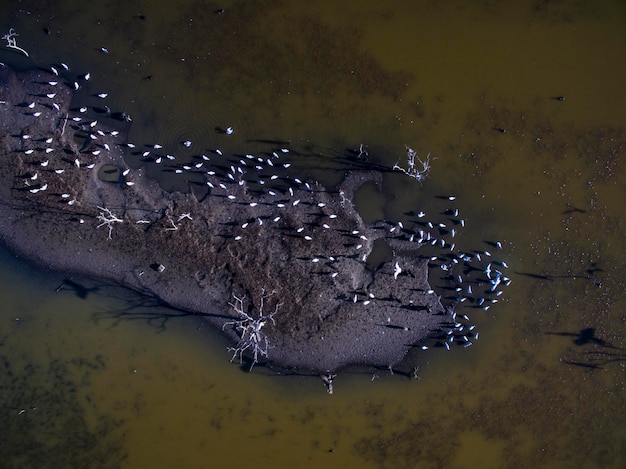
x: 252, y: 338
x: 412, y: 170
x: 174, y: 225
x: 12, y: 42
x: 107, y: 218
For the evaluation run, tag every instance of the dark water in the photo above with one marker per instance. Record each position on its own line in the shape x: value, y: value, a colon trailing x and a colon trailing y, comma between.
x: 92, y: 379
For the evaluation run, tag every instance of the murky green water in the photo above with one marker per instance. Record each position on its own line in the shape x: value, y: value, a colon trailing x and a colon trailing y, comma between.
x: 91, y: 378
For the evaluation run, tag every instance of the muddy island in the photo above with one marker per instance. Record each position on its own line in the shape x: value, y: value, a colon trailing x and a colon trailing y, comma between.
x: 278, y: 263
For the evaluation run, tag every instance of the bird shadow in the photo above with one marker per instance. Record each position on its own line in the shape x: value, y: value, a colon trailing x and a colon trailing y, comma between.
x: 602, y: 354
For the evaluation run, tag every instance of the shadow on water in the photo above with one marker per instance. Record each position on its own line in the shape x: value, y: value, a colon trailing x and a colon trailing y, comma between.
x: 77, y: 288
x: 135, y: 306
x: 153, y: 310
x: 604, y: 352
x: 584, y: 337
x: 588, y: 274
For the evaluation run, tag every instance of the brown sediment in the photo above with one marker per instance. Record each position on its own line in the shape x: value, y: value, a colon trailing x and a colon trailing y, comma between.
x: 195, y: 252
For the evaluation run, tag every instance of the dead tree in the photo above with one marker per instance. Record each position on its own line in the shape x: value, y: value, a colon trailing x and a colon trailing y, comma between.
x: 252, y: 340
x: 412, y: 169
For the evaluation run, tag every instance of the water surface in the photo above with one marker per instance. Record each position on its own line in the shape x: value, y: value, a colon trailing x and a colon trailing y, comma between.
x: 94, y: 378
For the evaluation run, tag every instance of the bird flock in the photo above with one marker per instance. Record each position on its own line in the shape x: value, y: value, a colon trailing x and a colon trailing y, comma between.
x: 269, y: 201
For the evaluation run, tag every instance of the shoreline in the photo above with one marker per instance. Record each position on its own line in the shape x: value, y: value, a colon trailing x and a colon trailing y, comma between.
x: 297, y: 245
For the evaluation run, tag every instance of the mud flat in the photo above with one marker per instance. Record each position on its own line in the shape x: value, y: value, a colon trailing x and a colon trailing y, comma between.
x: 289, y: 249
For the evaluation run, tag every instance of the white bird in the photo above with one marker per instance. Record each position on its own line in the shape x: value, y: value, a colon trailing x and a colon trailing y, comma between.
x: 229, y: 131
x: 396, y: 271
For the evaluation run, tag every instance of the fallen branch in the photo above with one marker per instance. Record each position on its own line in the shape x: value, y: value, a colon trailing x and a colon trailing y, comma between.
x: 107, y: 218
x: 412, y: 170
x: 12, y: 42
